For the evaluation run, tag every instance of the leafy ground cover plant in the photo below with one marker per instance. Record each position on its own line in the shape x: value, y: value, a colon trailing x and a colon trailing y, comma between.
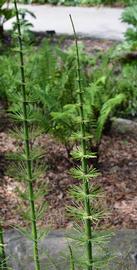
x: 7, y: 71
x: 121, y: 79
x: 99, y: 104
x: 5, y: 15
x: 24, y: 113
x: 125, y: 83
x: 129, y: 16
x: 56, y: 83
x: 129, y: 46
x: 58, y: 79
x: 83, y: 173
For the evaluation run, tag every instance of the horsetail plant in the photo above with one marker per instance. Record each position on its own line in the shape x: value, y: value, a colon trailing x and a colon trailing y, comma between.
x: 3, y: 260
x: 27, y: 146
x: 72, y: 260
x: 84, y: 210
x: 26, y: 165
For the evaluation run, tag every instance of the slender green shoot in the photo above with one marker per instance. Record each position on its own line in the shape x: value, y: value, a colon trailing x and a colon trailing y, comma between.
x: 72, y: 261
x: 3, y: 261
x: 88, y: 222
x: 27, y: 145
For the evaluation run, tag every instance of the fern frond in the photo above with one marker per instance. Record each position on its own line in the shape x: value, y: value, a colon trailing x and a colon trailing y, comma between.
x: 107, y: 108
x: 130, y: 15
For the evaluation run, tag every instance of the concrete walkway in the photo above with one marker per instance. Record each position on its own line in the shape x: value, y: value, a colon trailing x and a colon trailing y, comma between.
x: 89, y: 22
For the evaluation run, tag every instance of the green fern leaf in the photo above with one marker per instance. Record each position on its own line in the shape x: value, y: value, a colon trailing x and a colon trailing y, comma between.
x: 107, y: 108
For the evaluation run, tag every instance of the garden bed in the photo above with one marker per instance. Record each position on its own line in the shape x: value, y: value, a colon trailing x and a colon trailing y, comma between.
x: 118, y: 168
x: 117, y: 164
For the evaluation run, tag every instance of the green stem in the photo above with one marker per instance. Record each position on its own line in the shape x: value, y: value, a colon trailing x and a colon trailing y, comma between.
x: 27, y: 148
x: 72, y: 264
x: 3, y: 263
x: 88, y: 224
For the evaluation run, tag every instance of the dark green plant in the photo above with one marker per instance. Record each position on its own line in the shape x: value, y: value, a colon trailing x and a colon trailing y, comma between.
x: 125, y: 82
x: 26, y: 26
x: 102, y: 104
x: 56, y: 82
x: 84, y: 210
x: 119, y: 77
x: 81, y: 2
x: 129, y: 16
x: 130, y: 43
x: 55, y: 85
x: 99, y: 104
x: 8, y: 69
x: 5, y: 14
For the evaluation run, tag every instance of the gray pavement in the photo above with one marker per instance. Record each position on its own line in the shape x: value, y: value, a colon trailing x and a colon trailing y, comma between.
x: 54, y: 251
x: 91, y: 22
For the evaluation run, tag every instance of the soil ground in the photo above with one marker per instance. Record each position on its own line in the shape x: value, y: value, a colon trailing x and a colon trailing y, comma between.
x: 118, y: 170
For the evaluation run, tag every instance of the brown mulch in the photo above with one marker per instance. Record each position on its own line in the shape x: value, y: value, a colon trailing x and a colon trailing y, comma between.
x: 92, y: 45
x: 118, y: 167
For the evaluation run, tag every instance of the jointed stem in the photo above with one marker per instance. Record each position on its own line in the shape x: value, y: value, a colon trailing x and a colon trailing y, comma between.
x: 3, y: 263
x: 88, y: 224
x: 72, y: 262
x: 27, y: 147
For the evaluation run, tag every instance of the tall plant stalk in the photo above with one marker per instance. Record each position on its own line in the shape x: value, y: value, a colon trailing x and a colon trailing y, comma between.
x: 85, y: 209
x: 88, y: 223
x: 3, y: 262
x: 27, y: 145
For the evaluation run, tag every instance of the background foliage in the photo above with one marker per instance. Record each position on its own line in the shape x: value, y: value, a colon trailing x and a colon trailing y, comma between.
x: 110, y: 89
x: 108, y: 79
x: 81, y: 2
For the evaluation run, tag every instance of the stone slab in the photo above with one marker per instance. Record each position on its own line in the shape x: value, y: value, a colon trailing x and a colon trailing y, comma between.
x: 124, y: 126
x: 123, y: 246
